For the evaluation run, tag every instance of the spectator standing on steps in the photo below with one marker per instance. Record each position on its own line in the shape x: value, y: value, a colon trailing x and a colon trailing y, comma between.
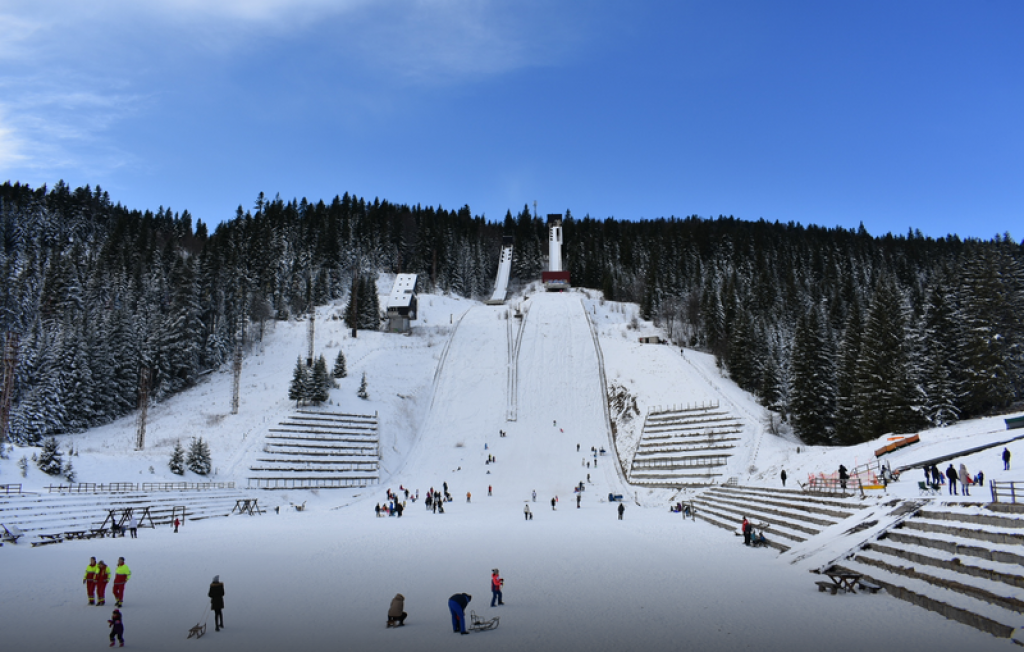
x: 1006, y: 459
x: 622, y: 510
x: 216, y: 595
x: 783, y: 476
x: 951, y: 476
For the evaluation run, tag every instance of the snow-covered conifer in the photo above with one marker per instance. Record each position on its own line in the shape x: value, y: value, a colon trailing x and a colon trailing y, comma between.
x: 340, y: 366
x: 177, y: 463
x: 362, y: 393
x: 199, y: 461
x: 50, y: 460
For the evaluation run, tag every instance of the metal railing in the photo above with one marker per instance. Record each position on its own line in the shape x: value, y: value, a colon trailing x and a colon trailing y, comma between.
x: 124, y: 487
x: 310, y: 483
x: 1006, y: 492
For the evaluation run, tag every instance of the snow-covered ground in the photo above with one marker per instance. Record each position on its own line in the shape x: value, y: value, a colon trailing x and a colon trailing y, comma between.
x: 576, y: 579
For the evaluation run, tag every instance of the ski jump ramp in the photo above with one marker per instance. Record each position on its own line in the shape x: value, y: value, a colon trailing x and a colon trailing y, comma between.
x: 560, y: 404
x: 504, y: 270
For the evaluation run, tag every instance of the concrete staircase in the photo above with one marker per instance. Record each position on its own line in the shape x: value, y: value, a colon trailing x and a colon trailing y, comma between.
x: 52, y: 514
x: 960, y: 560
x: 684, y: 447
x: 788, y: 517
x: 319, y: 450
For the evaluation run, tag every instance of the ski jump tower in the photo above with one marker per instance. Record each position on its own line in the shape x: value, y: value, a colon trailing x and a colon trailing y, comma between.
x: 504, y: 269
x: 555, y: 279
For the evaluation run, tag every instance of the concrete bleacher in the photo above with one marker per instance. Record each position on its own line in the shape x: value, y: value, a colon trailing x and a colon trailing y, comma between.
x: 319, y: 450
x: 953, y: 560
x: 790, y: 516
x: 54, y: 514
x: 684, y: 447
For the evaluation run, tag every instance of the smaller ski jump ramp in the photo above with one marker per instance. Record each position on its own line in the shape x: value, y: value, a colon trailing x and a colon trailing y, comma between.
x: 504, y: 269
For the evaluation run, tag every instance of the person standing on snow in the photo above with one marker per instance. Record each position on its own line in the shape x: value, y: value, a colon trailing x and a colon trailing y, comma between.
x: 747, y: 531
x: 534, y: 495
x: 965, y: 479
x: 951, y: 475
x: 133, y: 527
x: 577, y: 501
x: 457, y: 605
x: 121, y: 575
x: 526, y: 512
x: 216, y: 595
x: 496, y: 584
x: 552, y: 504
x: 116, y: 628
x: 622, y: 510
x: 783, y: 476
x: 102, y: 577
x: 90, y: 579
x: 1006, y: 459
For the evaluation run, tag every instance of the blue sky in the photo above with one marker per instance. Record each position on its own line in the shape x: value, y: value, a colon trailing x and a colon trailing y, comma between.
x: 895, y: 114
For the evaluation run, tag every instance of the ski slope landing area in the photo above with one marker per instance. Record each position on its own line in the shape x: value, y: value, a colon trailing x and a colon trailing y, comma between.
x: 537, y: 379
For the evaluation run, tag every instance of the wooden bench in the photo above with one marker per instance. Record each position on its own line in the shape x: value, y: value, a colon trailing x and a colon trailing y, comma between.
x: 78, y: 534
x: 47, y: 539
x: 827, y: 586
x: 10, y: 533
x: 868, y: 586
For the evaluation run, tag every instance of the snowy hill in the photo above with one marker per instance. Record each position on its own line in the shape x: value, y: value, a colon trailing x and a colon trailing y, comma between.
x: 577, y: 578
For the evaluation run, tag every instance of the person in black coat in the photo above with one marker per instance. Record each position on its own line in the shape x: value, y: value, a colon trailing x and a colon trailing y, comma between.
x: 457, y: 605
x: 844, y: 475
x: 783, y: 476
x: 951, y: 476
x: 216, y: 596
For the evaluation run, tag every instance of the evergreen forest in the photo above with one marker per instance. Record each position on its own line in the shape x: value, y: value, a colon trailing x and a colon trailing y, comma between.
x: 843, y: 335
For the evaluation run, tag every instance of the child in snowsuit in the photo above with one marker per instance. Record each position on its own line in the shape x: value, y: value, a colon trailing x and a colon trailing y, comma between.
x: 457, y: 605
x: 496, y: 584
x: 116, y: 628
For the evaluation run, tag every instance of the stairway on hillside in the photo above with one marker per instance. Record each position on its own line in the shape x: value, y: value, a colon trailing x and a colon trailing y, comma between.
x: 319, y: 450
x: 789, y: 516
x: 684, y: 447
x: 961, y: 561
x: 51, y: 514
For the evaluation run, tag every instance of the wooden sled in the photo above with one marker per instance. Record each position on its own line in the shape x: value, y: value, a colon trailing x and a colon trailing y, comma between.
x: 197, y: 631
x: 478, y: 624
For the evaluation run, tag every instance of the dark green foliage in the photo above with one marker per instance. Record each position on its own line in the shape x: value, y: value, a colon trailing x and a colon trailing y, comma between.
x: 97, y: 291
x: 177, y: 463
x: 340, y: 366
x: 50, y: 460
x: 320, y: 384
x: 198, y: 460
x: 362, y: 393
x: 297, y: 390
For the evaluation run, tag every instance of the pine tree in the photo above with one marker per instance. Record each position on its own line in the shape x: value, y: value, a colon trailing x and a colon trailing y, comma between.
x: 812, y: 393
x: 177, y: 463
x: 68, y: 472
x: 50, y: 460
x: 320, y: 385
x: 297, y: 389
x: 199, y: 461
x: 362, y: 393
x: 340, y: 368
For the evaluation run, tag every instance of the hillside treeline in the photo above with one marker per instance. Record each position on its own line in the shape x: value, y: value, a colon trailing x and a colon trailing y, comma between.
x: 843, y: 335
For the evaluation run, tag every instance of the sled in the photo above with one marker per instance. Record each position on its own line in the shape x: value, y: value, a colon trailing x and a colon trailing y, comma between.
x: 478, y: 624
x: 197, y: 631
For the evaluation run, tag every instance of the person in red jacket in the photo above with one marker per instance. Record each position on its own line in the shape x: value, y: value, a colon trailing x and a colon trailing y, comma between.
x: 102, y: 577
x: 496, y: 584
x: 121, y: 575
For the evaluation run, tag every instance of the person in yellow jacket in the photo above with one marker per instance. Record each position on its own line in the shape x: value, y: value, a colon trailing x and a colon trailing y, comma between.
x: 121, y: 575
x: 90, y: 580
x: 102, y: 577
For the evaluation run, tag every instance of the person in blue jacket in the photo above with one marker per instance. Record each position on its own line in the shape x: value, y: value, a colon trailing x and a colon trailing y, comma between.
x: 457, y: 605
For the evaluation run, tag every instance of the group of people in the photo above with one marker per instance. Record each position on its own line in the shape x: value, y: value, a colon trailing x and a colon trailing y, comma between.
x: 457, y: 605
x: 97, y: 576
